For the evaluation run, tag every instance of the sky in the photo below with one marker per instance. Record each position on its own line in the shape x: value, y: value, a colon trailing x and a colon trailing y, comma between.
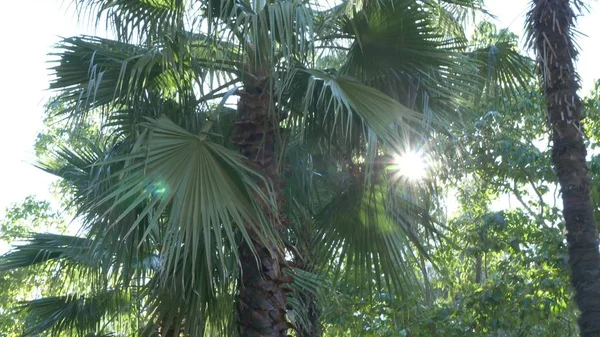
x: 28, y: 29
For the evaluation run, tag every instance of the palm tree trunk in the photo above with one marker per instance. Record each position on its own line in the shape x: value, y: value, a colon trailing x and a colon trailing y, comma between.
x: 262, y: 301
x: 551, y: 22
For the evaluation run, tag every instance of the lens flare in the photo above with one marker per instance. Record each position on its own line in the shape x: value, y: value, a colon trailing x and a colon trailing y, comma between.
x: 411, y: 165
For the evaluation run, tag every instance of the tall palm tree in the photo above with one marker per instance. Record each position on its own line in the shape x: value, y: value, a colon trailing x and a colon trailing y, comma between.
x: 187, y: 203
x: 551, y: 29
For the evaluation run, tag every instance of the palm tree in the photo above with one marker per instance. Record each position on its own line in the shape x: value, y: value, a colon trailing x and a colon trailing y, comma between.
x: 187, y: 203
x: 551, y: 29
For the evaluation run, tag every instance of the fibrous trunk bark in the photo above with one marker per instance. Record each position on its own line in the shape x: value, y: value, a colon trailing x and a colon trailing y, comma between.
x: 262, y: 302
x: 551, y: 22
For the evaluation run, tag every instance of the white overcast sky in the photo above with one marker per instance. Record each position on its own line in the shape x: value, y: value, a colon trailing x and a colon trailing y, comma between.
x: 28, y: 29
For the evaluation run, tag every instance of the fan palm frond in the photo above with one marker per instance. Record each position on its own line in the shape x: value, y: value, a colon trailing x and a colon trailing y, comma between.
x: 81, y: 313
x: 502, y: 70
x: 343, y: 106
x: 136, y: 18
x: 92, y: 72
x: 44, y: 247
x: 205, y: 188
x: 370, y: 236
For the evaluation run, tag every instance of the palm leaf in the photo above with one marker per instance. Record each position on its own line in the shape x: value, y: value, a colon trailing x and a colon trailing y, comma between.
x: 82, y: 314
x: 502, y: 70
x: 306, y: 294
x: 207, y: 189
x: 370, y: 235
x: 288, y: 23
x: 396, y: 47
x: 136, y: 18
x: 94, y: 72
x: 192, y: 303
x: 44, y: 247
x: 347, y: 105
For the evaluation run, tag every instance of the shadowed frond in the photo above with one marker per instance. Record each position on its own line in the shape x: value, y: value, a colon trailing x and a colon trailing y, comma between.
x: 369, y: 235
x: 81, y: 173
x: 141, y: 19
x: 267, y: 31
x: 44, y: 247
x: 188, y: 301
x: 453, y: 16
x: 306, y: 294
x: 344, y: 105
x: 92, y: 72
x: 398, y: 48
x: 79, y: 313
x: 502, y: 69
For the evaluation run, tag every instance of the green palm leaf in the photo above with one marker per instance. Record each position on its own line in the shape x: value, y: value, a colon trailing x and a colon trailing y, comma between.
x: 44, y: 247
x: 347, y: 105
x: 369, y: 235
x: 396, y: 47
x: 137, y: 18
x: 188, y: 300
x: 92, y: 72
x: 83, y: 314
x: 206, y: 189
x: 502, y: 70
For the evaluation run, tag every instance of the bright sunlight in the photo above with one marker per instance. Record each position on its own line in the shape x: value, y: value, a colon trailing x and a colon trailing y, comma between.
x: 410, y: 165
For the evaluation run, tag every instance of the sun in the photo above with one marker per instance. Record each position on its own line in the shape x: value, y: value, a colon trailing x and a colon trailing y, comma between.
x: 410, y: 165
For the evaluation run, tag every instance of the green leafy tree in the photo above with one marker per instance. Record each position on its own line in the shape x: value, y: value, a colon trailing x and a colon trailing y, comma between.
x: 20, y: 285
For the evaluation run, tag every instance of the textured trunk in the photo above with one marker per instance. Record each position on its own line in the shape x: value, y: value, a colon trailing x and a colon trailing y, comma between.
x: 552, y: 21
x: 262, y: 301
